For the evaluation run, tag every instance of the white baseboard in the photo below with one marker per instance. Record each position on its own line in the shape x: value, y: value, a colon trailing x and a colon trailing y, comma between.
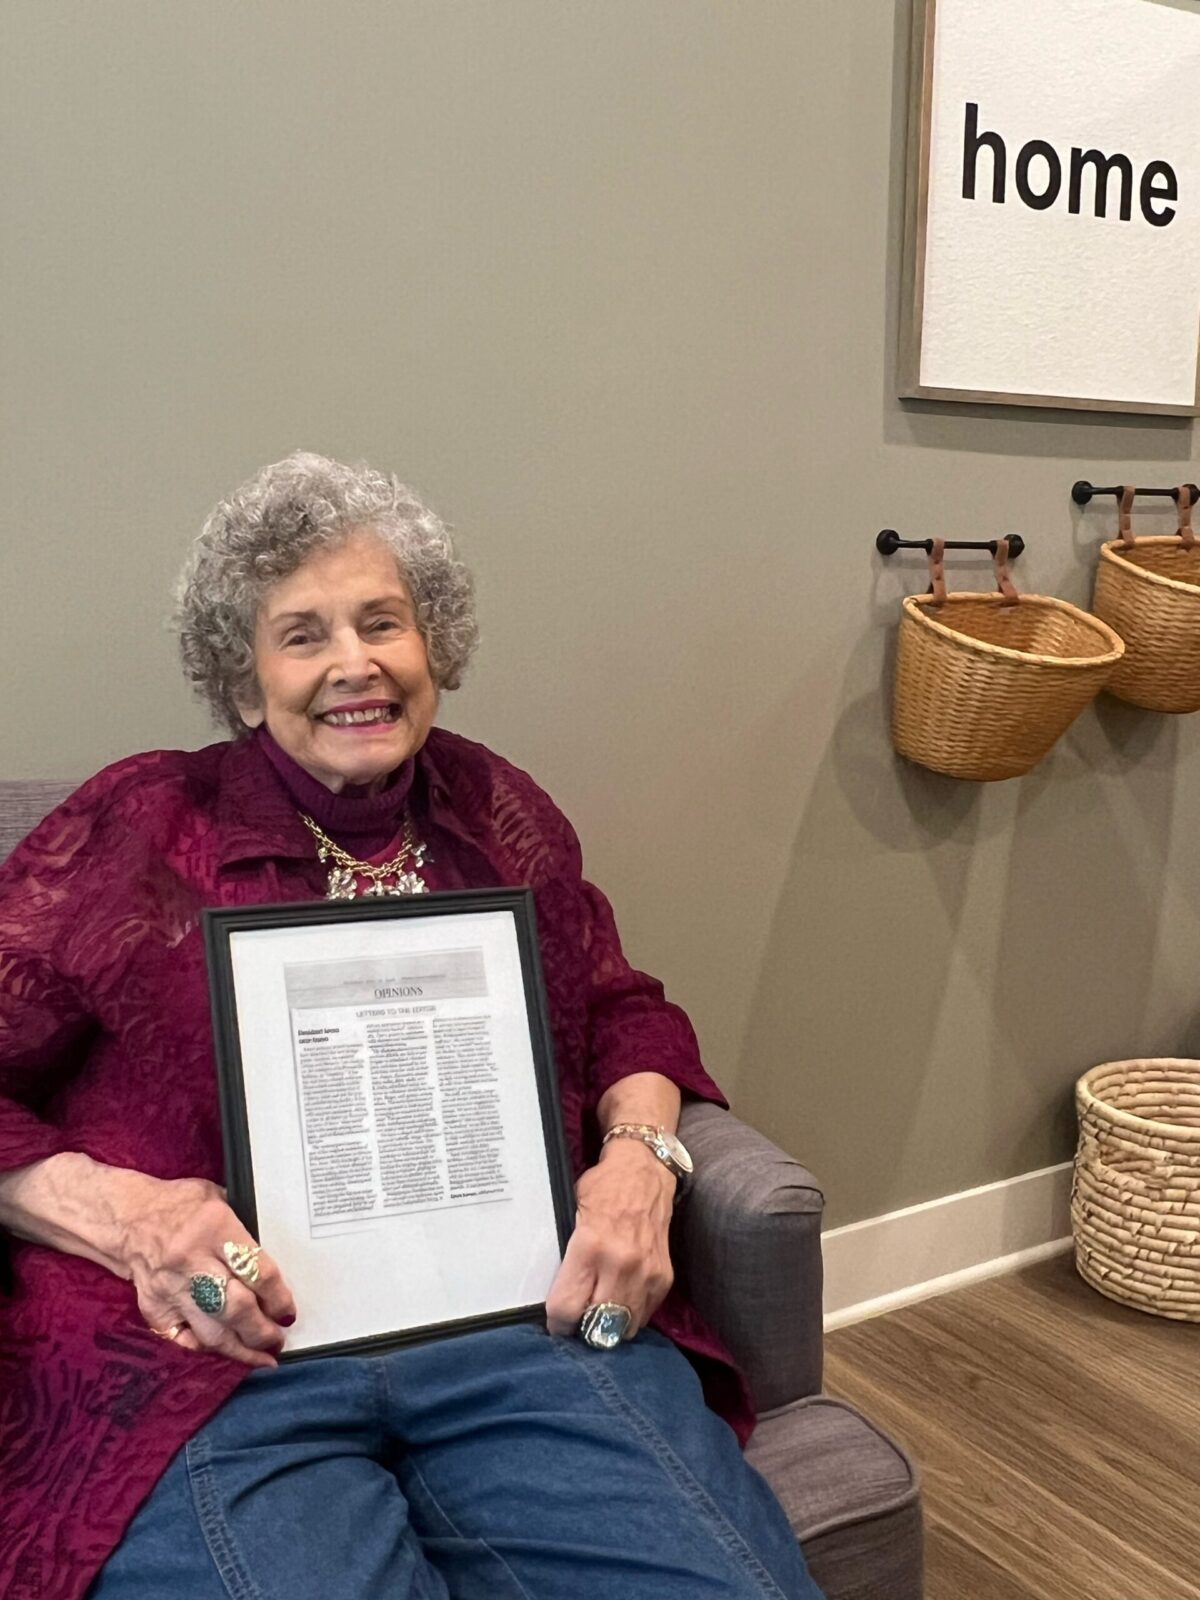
x: 886, y: 1262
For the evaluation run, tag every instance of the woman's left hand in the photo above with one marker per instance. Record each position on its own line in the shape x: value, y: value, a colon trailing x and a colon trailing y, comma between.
x: 619, y: 1250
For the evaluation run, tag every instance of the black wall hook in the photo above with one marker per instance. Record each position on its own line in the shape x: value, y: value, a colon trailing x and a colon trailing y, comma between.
x: 1083, y: 491
x: 889, y: 541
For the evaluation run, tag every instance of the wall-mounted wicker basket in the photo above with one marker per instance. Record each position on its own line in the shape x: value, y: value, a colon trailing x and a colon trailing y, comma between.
x: 1149, y: 591
x: 986, y: 683
x: 1135, y: 1204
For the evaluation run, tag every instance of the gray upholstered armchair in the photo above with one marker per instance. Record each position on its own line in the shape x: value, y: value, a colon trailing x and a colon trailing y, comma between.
x: 748, y: 1250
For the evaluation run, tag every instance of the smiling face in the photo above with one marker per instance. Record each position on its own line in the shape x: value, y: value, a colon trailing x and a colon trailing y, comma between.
x: 343, y: 674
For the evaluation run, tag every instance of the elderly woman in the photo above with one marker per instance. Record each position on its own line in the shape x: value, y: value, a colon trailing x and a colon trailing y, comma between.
x: 152, y: 1448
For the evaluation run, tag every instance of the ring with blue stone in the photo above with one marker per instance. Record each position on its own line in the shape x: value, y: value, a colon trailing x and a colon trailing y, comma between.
x: 208, y: 1291
x: 605, y: 1324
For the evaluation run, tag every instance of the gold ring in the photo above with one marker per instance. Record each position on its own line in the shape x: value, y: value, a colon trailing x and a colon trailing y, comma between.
x: 242, y: 1259
x: 172, y: 1332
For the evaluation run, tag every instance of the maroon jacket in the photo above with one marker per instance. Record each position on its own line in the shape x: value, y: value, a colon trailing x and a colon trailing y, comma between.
x: 106, y: 1048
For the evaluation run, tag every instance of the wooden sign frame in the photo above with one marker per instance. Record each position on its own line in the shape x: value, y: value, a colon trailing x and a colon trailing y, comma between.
x: 916, y: 220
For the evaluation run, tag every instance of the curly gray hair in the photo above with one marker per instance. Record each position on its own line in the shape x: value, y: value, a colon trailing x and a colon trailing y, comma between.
x: 269, y: 527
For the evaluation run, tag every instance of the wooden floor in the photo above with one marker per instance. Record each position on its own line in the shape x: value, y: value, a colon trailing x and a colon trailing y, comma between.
x: 1058, y: 1437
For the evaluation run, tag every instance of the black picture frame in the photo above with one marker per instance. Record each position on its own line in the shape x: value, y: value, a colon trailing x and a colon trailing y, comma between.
x: 220, y: 924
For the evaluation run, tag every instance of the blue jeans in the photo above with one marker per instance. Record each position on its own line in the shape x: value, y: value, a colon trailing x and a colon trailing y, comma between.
x: 501, y: 1465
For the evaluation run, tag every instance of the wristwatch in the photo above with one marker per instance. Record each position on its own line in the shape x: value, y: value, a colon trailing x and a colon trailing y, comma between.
x: 669, y: 1150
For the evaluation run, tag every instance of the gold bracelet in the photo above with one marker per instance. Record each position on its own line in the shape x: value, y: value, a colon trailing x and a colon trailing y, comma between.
x: 630, y: 1130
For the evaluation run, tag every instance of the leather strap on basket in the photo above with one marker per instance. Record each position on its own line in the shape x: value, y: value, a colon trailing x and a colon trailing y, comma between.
x: 1183, y: 497
x: 1126, y: 513
x: 937, y: 570
x: 1003, y: 582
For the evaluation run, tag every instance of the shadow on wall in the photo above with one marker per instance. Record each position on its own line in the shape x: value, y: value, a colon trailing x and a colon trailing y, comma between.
x: 860, y: 943
x: 945, y: 958
x: 1080, y: 924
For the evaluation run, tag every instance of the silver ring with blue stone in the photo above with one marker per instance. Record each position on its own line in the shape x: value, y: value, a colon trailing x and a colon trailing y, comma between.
x: 208, y: 1291
x: 605, y: 1324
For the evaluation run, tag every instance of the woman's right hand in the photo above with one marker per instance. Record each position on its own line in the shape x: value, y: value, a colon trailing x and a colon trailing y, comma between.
x: 176, y: 1227
x: 155, y: 1232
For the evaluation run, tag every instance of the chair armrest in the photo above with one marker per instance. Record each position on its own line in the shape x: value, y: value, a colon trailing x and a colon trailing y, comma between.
x: 747, y: 1248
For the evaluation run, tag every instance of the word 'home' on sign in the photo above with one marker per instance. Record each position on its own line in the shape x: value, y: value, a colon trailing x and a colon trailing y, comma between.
x: 1040, y: 187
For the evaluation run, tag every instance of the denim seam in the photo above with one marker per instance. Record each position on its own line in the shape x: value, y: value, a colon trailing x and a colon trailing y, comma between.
x: 412, y: 1467
x: 383, y: 1405
x: 677, y: 1470
x: 218, y: 1535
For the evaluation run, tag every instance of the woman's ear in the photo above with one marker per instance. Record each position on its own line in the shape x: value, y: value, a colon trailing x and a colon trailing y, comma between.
x: 253, y: 713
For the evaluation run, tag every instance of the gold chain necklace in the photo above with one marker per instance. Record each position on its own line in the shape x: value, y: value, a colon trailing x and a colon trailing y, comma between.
x: 347, y: 869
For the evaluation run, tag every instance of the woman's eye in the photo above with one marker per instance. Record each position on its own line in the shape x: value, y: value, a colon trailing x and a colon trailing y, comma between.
x: 295, y: 638
x: 384, y: 624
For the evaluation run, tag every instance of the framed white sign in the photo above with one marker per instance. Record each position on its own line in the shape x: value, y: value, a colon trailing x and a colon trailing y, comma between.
x: 1052, y: 243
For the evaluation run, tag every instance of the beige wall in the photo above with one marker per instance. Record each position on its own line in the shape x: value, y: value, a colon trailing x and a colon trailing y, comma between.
x: 614, y: 286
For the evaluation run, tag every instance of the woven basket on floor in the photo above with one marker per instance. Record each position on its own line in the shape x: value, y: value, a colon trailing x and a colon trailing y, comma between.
x: 1135, y: 1204
x: 985, y: 683
x: 1149, y: 591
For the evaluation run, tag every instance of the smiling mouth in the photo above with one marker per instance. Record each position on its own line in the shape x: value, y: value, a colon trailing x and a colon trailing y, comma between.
x: 372, y: 717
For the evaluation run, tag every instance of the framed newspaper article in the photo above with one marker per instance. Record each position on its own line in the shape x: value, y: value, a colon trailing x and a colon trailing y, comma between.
x: 390, y: 1111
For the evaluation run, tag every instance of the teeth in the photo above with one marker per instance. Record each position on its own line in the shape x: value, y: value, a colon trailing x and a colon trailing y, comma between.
x: 342, y: 719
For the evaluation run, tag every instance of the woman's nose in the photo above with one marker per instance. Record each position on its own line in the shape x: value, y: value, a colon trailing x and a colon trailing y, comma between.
x: 352, y: 660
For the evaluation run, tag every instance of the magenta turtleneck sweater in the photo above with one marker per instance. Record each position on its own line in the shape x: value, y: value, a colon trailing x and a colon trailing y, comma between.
x: 361, y: 822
